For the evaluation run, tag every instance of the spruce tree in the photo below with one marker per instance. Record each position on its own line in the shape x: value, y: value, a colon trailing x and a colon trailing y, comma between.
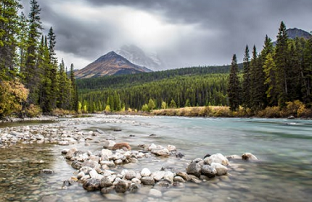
x: 74, y: 99
x: 234, y: 86
x: 269, y: 69
x: 246, y: 80
x: 31, y: 71
x: 9, y: 30
x: 307, y: 74
x: 54, y: 75
x: 281, y: 60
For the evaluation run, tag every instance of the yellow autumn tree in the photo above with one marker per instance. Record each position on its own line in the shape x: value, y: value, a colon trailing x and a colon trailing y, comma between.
x: 12, y: 95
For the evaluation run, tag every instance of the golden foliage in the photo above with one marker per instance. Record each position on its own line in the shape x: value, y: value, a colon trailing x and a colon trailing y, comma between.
x: 33, y: 111
x: 12, y: 95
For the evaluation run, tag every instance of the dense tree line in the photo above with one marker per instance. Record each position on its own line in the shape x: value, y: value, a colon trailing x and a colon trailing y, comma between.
x: 137, y: 79
x: 278, y: 75
x: 28, y: 60
x: 178, y: 91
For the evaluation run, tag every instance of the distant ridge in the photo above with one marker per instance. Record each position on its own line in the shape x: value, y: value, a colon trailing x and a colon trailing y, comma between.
x: 295, y: 32
x: 109, y: 64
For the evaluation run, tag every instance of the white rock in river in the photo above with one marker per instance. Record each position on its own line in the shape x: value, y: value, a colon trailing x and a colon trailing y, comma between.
x: 152, y: 146
x: 249, y: 156
x: 171, y: 148
x: 169, y: 176
x: 216, y: 158
x: 130, y: 175
x: 95, y: 175
x: 158, y: 175
x: 136, y: 180
x: 234, y: 157
x: 145, y: 172
x: 221, y: 169
x: 161, y: 152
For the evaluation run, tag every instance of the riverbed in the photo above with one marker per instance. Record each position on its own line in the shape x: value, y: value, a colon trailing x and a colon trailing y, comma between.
x: 283, y: 147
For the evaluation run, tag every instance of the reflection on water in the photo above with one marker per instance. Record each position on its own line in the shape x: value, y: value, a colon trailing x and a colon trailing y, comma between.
x: 284, y: 172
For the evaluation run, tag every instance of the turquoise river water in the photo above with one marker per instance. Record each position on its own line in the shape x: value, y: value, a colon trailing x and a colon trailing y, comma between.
x: 283, y: 172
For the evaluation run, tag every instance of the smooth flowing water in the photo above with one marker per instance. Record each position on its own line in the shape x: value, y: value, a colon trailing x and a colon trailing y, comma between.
x: 283, y: 173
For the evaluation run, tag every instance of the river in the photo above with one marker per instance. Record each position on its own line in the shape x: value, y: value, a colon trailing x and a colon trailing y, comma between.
x: 283, y: 147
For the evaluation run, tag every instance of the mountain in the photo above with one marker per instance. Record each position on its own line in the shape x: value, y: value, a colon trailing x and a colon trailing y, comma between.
x: 139, y: 57
x: 109, y: 64
x: 294, y: 32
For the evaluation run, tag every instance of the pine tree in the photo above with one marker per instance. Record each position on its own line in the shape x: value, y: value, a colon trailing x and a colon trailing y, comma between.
x: 22, y: 41
x: 307, y: 74
x: 46, y: 84
x: 269, y: 69
x: 246, y: 92
x: 74, y: 99
x: 54, y: 75
x: 31, y: 71
x: 281, y: 61
x: 9, y: 31
x: 234, y: 86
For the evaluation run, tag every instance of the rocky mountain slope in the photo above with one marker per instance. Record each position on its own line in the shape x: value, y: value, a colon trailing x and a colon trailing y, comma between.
x: 109, y: 64
x: 295, y: 32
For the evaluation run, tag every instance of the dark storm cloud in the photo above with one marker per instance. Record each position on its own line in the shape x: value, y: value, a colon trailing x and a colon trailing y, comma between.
x: 233, y: 24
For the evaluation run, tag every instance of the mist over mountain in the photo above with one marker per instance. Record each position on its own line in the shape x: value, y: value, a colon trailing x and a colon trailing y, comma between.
x: 109, y: 64
x: 137, y: 56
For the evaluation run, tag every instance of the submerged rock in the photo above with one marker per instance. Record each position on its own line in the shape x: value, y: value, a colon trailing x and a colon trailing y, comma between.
x: 122, y: 145
x: 47, y: 171
x: 180, y: 155
x: 155, y: 193
x: 249, y: 156
x: 134, y: 187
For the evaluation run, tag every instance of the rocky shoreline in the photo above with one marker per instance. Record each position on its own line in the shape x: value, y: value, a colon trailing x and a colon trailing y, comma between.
x: 93, y: 170
x: 104, y: 170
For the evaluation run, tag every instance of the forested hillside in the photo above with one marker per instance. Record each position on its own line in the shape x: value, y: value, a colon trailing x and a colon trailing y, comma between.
x: 135, y: 79
x: 31, y: 80
x: 195, y: 86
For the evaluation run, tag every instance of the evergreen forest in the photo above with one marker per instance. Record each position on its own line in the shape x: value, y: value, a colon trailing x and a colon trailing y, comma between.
x: 280, y: 74
x: 31, y: 80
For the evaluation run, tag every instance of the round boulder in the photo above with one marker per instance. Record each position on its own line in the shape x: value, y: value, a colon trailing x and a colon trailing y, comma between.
x: 193, y: 169
x: 249, y: 156
x: 209, y: 171
x: 221, y: 169
x: 216, y: 158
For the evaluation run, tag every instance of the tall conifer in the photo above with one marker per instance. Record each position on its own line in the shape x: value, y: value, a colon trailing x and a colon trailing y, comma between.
x: 234, y: 86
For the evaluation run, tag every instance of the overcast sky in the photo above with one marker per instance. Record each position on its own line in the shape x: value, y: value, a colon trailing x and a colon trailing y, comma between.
x: 183, y: 32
